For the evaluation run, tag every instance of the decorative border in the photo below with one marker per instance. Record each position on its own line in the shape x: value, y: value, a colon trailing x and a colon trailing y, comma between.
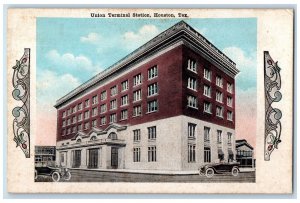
x: 273, y: 115
x: 21, y: 92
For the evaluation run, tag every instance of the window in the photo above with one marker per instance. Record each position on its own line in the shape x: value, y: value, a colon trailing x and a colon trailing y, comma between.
x: 207, y: 91
x: 94, y: 111
x: 152, y: 72
x: 64, y: 114
x: 191, y: 130
x: 103, y: 108
x: 80, y: 117
x: 152, y: 154
x: 219, y: 136
x: 74, y: 129
x: 207, y: 107
x: 103, y: 95
x: 136, y: 154
x: 94, y: 123
x: 219, y: 111
x: 137, y: 111
x: 152, y: 133
x: 207, y: 74
x: 113, y: 91
x: 124, y: 100
x: 137, y: 95
x: 191, y: 153
x: 137, y: 80
x: 79, y: 127
x: 63, y: 132
x: 113, y: 104
x: 192, y: 83
x: 103, y: 120
x: 79, y: 106
x: 69, y: 111
x: 229, y: 115
x: 74, y: 119
x: 64, y: 124
x: 229, y: 138
x: 87, y: 103
x: 124, y: 85
x: 229, y: 87
x: 69, y: 121
x: 152, y: 89
x: 136, y: 135
x: 229, y: 101
x: 74, y: 109
x: 192, y: 65
x: 206, y: 134
x: 192, y: 101
x: 207, y: 155
x: 113, y: 118
x: 95, y: 100
x: 124, y: 114
x: 76, y: 155
x: 219, y: 96
x: 69, y: 130
x: 219, y: 81
x: 152, y: 106
x: 86, y: 126
x: 86, y: 115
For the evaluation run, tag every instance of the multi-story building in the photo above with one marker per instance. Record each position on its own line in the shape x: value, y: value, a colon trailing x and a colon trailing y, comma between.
x: 169, y: 105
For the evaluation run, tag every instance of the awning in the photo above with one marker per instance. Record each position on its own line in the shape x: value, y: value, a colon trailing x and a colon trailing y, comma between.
x: 220, y: 152
x: 230, y: 152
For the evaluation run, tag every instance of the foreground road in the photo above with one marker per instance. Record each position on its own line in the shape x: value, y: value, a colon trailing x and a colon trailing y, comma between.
x: 100, y: 176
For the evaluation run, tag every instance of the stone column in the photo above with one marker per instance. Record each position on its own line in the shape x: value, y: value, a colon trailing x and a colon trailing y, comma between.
x: 83, y: 158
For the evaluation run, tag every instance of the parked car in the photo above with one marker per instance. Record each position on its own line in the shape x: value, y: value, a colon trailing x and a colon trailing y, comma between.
x: 219, y: 168
x: 56, y: 173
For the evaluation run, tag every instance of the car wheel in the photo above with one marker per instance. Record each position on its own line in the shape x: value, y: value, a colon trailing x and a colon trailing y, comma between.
x: 55, y: 176
x: 235, y: 171
x: 67, y: 175
x: 200, y: 173
x: 35, y: 174
x: 209, y: 172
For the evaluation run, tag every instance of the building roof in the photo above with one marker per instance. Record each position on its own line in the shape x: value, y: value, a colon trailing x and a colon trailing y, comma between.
x: 179, y: 31
x: 242, y: 142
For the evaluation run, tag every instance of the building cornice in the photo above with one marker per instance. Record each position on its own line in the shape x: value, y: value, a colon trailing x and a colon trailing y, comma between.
x: 175, y: 33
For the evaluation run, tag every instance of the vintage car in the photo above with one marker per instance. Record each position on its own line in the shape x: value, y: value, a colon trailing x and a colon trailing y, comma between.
x: 56, y: 173
x: 219, y: 168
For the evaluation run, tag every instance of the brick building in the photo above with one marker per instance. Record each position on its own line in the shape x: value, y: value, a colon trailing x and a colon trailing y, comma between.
x: 169, y: 105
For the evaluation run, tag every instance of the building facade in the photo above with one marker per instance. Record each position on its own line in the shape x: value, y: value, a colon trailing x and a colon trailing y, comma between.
x: 244, y: 154
x: 169, y: 105
x: 44, y: 155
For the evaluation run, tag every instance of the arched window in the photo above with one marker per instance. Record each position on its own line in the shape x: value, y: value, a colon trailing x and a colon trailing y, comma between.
x: 112, y: 136
x: 78, y: 141
x: 93, y: 138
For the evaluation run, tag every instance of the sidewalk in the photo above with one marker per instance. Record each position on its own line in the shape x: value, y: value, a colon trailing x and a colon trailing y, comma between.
x: 158, y: 172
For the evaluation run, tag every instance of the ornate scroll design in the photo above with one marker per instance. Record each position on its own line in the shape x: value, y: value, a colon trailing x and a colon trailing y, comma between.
x: 21, y: 92
x: 273, y: 115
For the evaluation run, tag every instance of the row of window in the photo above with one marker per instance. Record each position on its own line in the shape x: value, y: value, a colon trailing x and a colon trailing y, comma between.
x: 207, y: 74
x: 137, y: 96
x: 152, y: 106
x: 207, y: 134
x: 207, y: 107
x: 207, y: 154
x: 151, y: 154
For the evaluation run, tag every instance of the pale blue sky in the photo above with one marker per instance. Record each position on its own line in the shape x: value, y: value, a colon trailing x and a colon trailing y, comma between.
x: 72, y: 50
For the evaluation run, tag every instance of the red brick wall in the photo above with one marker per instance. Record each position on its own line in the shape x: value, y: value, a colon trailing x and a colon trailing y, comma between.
x: 200, y: 114
x: 169, y: 94
x: 172, y: 93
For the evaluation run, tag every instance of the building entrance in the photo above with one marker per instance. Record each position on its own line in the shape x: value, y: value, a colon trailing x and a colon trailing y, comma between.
x: 114, y: 157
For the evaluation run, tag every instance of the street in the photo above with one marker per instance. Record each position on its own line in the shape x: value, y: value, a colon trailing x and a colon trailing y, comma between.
x: 102, y: 176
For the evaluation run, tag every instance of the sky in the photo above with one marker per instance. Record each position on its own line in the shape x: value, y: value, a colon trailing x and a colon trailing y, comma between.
x: 72, y: 50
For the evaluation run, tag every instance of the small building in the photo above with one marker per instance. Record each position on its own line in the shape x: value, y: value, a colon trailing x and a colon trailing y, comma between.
x: 45, y: 155
x: 244, y: 153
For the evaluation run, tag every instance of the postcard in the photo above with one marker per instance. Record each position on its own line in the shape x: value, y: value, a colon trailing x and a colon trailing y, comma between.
x: 150, y: 100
